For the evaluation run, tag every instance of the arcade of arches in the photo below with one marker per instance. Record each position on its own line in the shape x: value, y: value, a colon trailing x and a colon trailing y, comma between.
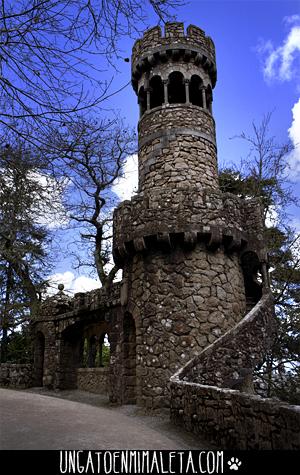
x: 175, y: 90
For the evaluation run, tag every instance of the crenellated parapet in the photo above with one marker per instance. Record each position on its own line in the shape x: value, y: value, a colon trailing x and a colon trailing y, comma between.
x: 62, y: 306
x: 154, y: 48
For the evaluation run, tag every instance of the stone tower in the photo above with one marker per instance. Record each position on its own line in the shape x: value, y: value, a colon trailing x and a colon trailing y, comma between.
x: 189, y: 253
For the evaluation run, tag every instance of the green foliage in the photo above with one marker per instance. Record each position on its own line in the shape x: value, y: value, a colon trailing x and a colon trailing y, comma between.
x: 23, y: 242
x: 19, y: 349
x: 263, y: 175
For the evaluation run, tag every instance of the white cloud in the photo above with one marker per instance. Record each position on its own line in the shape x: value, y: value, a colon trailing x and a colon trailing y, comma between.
x: 279, y: 62
x: 126, y: 186
x: 49, y: 210
x: 72, y: 284
x: 294, y: 134
x: 283, y: 64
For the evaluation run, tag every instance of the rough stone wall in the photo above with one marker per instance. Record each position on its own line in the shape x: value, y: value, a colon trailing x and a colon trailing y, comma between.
x: 242, y: 347
x: 184, y: 301
x: 93, y: 380
x: 235, y: 420
x: 18, y: 376
x: 174, y: 34
x: 203, y: 401
x: 177, y: 146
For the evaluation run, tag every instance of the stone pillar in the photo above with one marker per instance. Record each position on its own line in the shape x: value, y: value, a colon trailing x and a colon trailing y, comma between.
x: 148, y: 99
x: 165, y: 82
x: 187, y: 91
x: 203, y: 98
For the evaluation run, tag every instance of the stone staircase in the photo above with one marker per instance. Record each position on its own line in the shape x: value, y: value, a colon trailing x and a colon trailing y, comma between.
x: 213, y: 394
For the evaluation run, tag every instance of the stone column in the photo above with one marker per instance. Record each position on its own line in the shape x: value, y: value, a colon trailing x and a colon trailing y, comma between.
x: 165, y: 82
x: 187, y: 90
x: 203, y: 98
x: 148, y: 99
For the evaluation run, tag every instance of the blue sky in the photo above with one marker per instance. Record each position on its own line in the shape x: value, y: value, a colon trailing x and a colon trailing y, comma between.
x: 258, y: 61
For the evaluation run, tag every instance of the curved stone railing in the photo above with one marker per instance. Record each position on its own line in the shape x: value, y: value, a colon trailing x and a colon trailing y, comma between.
x: 213, y: 393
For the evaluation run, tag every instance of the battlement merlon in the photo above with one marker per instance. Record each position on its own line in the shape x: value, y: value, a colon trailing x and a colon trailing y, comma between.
x: 153, y: 48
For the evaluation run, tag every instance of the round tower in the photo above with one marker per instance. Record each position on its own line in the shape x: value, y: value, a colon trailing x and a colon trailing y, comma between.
x: 173, y: 77
x: 178, y: 240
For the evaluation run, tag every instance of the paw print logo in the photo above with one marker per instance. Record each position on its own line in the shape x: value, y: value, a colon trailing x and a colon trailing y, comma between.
x: 234, y: 463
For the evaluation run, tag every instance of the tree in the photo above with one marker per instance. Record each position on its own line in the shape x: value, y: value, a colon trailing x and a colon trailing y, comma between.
x: 93, y: 154
x: 24, y: 238
x: 50, y: 51
x: 264, y: 175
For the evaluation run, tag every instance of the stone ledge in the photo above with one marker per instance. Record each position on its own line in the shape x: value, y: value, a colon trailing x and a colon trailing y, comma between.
x: 235, y: 420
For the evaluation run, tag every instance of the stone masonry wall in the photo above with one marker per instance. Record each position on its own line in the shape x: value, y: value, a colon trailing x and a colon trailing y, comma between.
x: 184, y: 301
x: 18, y: 376
x: 235, y: 420
x: 94, y: 380
x: 242, y: 347
x: 171, y: 155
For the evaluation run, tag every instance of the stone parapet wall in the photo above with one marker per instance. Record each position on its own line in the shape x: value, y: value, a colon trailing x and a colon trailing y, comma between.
x: 93, y: 380
x: 69, y: 307
x: 190, y: 213
x: 195, y: 45
x: 17, y: 376
x: 235, y: 420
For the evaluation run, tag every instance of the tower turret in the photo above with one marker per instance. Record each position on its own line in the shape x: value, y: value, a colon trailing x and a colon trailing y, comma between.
x: 173, y: 76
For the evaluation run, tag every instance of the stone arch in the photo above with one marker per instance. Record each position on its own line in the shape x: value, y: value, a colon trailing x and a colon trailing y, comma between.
x: 142, y: 100
x: 70, y: 360
x: 209, y: 98
x: 39, y: 355
x: 195, y: 90
x: 176, y: 88
x: 156, y: 92
x: 251, y: 267
x: 129, y: 359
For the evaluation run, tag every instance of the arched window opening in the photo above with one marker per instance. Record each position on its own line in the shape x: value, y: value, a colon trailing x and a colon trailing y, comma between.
x: 209, y: 98
x: 156, y: 92
x: 103, y: 354
x: 196, y: 85
x: 176, y: 88
x: 142, y: 100
x: 92, y: 351
x: 252, y: 278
